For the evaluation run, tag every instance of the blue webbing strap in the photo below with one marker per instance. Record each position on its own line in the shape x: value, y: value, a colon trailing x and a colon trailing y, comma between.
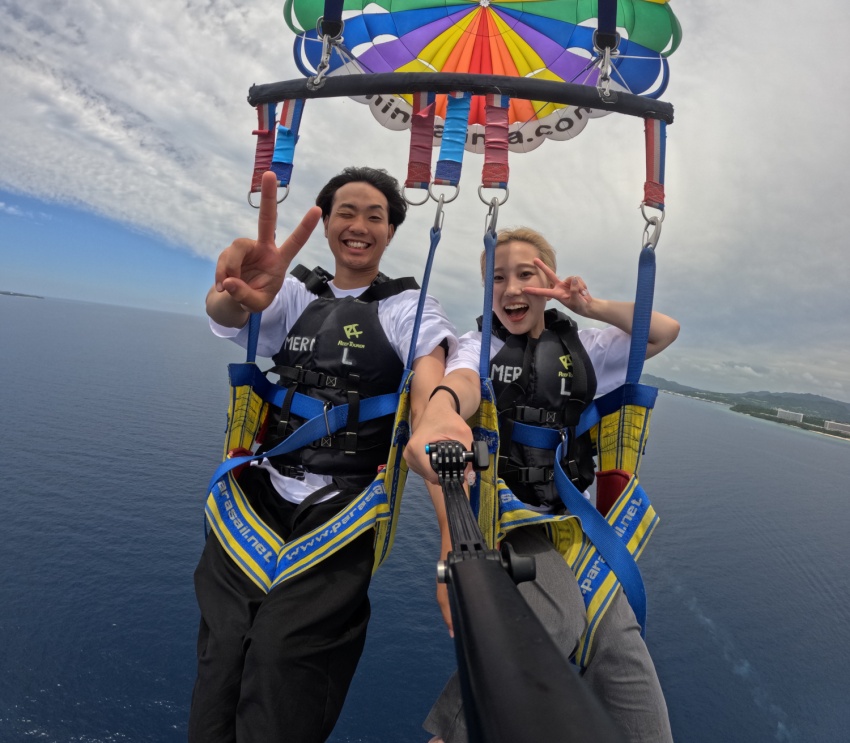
x: 606, y: 541
x: 450, y: 161
x: 642, y: 314
x: 249, y: 375
x: 287, y: 138
x: 436, y: 233
x: 550, y: 438
x: 487, y: 317
x: 253, y: 336
x: 606, y: 34
x: 316, y: 428
x: 332, y: 17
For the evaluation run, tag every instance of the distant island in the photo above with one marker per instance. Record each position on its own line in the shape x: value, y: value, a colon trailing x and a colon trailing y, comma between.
x: 810, y: 412
x: 19, y: 294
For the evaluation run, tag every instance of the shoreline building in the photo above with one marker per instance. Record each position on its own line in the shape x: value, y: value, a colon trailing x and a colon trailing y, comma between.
x: 835, y: 426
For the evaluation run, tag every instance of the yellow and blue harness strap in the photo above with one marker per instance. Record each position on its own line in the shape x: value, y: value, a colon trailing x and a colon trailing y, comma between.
x: 619, y: 425
x: 264, y: 557
x: 483, y: 494
x: 632, y: 519
x: 631, y: 515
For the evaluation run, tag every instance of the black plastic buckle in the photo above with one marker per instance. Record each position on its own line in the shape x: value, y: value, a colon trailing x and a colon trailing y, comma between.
x: 534, y: 475
x: 296, y: 472
x: 310, y: 378
x: 525, y: 414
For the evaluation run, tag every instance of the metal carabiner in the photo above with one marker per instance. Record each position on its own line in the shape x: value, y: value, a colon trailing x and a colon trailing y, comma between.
x: 650, y: 241
x: 440, y: 216
x: 492, y: 215
x: 603, y: 85
x: 328, y: 43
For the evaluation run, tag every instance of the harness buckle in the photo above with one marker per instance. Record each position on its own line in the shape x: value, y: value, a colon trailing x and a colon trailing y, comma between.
x: 534, y: 475
x: 525, y: 414
x: 296, y: 472
x: 310, y: 378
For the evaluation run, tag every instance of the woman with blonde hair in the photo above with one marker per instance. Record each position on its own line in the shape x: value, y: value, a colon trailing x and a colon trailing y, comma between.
x: 545, y: 371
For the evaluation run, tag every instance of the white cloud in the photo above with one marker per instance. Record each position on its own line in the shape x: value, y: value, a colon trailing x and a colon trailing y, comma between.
x: 12, y: 211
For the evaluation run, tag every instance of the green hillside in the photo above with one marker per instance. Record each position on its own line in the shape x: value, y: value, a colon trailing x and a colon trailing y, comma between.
x: 815, y: 408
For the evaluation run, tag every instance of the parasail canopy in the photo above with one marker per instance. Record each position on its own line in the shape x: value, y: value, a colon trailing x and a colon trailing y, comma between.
x: 550, y: 40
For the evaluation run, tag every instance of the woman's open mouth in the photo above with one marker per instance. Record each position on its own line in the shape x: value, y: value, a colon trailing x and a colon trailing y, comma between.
x: 515, y: 312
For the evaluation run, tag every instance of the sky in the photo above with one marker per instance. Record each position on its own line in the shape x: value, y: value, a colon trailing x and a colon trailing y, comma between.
x: 126, y: 153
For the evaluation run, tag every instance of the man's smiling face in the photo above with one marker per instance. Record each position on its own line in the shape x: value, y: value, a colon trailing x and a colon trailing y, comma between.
x: 358, y: 232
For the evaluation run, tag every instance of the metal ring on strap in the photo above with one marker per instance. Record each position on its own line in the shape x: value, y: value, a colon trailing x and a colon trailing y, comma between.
x: 279, y: 201
x: 445, y: 200
x: 481, y: 196
x: 414, y: 203
x: 652, y: 219
x: 321, y: 34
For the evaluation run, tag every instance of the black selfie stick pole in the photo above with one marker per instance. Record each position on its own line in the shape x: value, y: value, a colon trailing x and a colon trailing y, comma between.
x: 516, y: 685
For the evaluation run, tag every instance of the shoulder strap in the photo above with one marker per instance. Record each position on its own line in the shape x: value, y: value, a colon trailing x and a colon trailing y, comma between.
x: 383, y: 287
x: 496, y: 327
x: 316, y: 280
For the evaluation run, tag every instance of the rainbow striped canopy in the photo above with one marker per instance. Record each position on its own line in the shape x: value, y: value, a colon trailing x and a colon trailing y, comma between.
x: 544, y: 39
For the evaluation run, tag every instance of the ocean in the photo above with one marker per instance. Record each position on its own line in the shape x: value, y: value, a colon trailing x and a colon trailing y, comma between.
x: 112, y: 424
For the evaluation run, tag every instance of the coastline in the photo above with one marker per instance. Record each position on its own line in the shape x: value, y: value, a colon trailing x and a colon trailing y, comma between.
x: 767, y: 417
x: 19, y: 294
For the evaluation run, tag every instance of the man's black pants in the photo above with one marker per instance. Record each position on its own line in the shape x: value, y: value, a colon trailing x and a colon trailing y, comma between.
x: 276, y: 667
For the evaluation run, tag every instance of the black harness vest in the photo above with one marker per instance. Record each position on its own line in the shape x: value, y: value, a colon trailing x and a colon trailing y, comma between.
x: 337, y: 352
x: 546, y: 381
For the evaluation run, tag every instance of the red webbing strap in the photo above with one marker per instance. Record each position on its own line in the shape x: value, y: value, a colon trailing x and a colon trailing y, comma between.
x: 655, y: 133
x: 265, y: 132
x: 421, y: 141
x: 496, y: 170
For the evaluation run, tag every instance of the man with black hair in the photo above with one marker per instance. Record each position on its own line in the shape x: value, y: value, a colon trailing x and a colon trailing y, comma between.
x: 277, y: 666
